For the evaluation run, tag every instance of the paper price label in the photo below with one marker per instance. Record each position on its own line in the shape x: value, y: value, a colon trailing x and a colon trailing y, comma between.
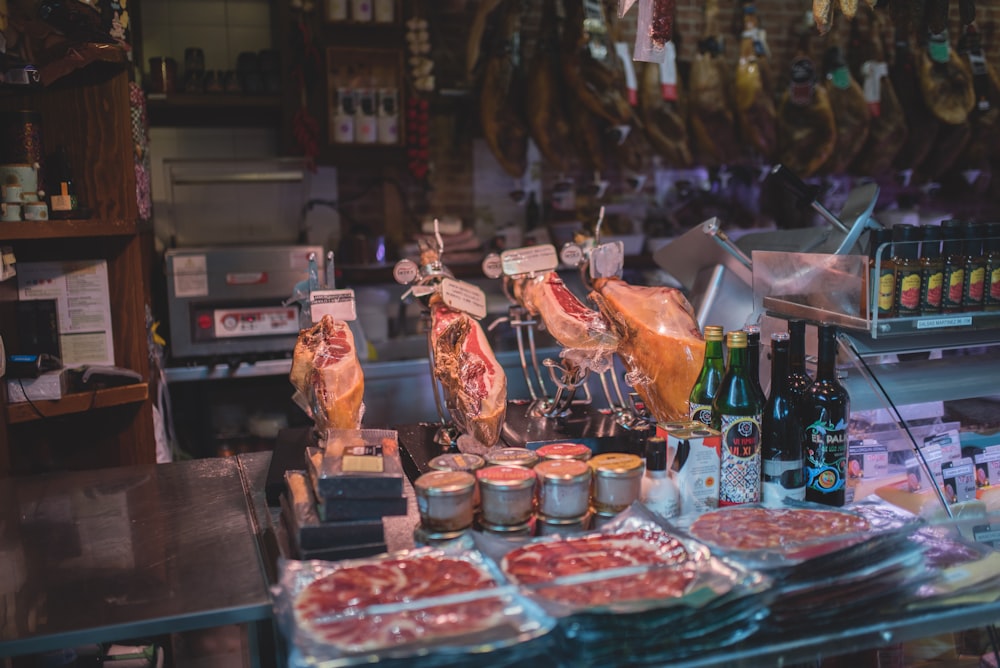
x: 463, y: 296
x: 405, y: 271
x: 529, y: 259
x: 607, y: 260
x: 338, y: 304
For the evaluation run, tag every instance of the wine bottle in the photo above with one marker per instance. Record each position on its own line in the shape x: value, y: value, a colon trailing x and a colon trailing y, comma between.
x: 707, y: 385
x: 823, y: 413
x: 781, y: 432
x: 736, y: 414
x: 798, y: 378
x: 753, y: 360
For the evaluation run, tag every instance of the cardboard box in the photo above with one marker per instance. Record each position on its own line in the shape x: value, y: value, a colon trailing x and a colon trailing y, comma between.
x: 48, y: 386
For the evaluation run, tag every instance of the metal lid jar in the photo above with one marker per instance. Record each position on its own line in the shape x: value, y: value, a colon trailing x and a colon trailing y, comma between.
x: 564, y: 451
x: 507, y: 494
x: 459, y: 461
x: 564, y: 488
x: 444, y: 500
x: 511, y: 457
x: 555, y: 526
x: 617, y: 481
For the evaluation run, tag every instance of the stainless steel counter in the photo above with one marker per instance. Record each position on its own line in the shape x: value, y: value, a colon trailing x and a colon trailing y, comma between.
x: 96, y: 556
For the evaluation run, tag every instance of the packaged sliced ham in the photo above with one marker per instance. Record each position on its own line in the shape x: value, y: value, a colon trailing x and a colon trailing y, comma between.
x: 415, y: 604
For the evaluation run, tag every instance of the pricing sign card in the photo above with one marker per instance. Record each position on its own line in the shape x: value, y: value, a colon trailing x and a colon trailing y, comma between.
x: 338, y: 304
x: 463, y: 296
x: 607, y: 260
x: 959, y: 480
x: 531, y: 259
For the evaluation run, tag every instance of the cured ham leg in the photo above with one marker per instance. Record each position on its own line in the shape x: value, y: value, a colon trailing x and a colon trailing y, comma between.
x: 566, y: 318
x: 850, y: 112
x: 326, y: 371
x: 475, y: 384
x: 659, y: 342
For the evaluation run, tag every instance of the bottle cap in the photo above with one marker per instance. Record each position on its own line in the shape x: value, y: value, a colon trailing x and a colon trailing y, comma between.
x: 876, y: 238
x: 736, y: 339
x: 972, y: 239
x: 713, y: 333
x: 656, y: 454
x: 992, y: 244
x: 951, y: 232
x: 780, y: 336
x: 753, y: 333
x: 930, y: 245
x: 904, y: 237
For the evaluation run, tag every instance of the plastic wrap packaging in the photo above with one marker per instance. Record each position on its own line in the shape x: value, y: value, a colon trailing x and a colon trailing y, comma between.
x: 660, y: 342
x: 327, y: 375
x: 360, y: 463
x: 603, y: 587
x: 475, y: 385
x: 431, y: 606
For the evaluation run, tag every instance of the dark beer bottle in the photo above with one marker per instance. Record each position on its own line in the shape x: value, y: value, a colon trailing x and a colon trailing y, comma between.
x: 736, y: 414
x: 824, y: 412
x: 781, y: 432
x: 707, y: 385
x: 798, y: 378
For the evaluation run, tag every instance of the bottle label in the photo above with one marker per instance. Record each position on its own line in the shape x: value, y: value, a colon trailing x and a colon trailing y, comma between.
x: 994, y: 292
x: 701, y: 413
x: 826, y: 456
x: 909, y: 292
x: 886, y: 291
x: 739, y: 481
x: 955, y: 281
x: 975, y: 284
x: 783, y: 480
x: 931, y: 300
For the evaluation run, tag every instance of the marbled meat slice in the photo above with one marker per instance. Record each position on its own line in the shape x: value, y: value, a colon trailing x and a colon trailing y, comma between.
x: 320, y: 608
x: 774, y: 528
x: 540, y: 563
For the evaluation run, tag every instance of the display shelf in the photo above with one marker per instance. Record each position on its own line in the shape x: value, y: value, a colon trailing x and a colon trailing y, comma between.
x: 64, y: 229
x: 213, y: 110
x: 77, y: 403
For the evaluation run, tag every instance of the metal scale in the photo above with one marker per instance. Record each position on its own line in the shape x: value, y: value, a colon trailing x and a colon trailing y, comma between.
x: 567, y: 414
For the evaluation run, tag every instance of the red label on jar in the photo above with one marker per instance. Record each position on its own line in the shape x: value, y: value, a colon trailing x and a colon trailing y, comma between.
x: 563, y: 450
x: 502, y: 473
x: 561, y: 468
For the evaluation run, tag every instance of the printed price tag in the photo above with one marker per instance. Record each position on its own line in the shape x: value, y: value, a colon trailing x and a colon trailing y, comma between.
x: 338, y: 304
x: 959, y: 480
x: 607, y: 260
x: 405, y: 271
x: 984, y: 533
x: 463, y: 296
x: 939, y: 323
x: 530, y: 259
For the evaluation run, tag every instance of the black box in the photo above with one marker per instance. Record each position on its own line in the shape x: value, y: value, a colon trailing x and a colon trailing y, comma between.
x: 38, y: 327
x: 306, y: 530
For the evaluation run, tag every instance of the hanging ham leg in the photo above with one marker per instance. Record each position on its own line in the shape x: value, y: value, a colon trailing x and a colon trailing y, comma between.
x: 326, y: 371
x: 548, y: 117
x: 945, y: 80
x: 850, y: 112
x: 475, y: 385
x: 659, y: 342
x: 590, y: 63
x: 754, y: 100
x: 711, y: 110
x: 566, y: 318
x: 807, y: 132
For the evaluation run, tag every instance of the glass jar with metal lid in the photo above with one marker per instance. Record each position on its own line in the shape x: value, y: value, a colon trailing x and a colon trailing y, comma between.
x: 459, y: 461
x: 511, y: 457
x: 564, y: 451
x: 444, y: 500
x: 507, y: 494
x: 617, y: 481
x: 515, y: 532
x: 564, y: 488
x: 555, y: 526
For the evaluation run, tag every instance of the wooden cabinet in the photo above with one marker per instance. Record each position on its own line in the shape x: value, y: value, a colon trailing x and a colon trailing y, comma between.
x: 88, y: 113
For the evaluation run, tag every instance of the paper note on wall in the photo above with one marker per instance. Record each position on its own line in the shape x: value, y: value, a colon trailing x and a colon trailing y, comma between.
x: 83, y: 303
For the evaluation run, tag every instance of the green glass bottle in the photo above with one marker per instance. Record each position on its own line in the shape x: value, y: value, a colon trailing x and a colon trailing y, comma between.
x: 707, y: 385
x: 736, y: 413
x: 824, y: 412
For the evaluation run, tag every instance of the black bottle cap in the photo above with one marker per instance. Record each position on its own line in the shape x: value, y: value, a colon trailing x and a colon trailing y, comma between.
x: 972, y: 239
x: 903, y: 235
x: 951, y: 232
x: 992, y: 244
x: 876, y: 238
x: 930, y: 245
x: 656, y: 454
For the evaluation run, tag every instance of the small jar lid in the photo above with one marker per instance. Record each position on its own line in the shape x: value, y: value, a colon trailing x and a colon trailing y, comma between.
x: 564, y: 451
x: 563, y: 471
x: 434, y: 483
x: 511, y: 457
x: 617, y: 465
x: 506, y: 477
x: 676, y: 426
x: 457, y: 461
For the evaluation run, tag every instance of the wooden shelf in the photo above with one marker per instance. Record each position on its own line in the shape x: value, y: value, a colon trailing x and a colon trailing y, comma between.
x: 64, y: 229
x: 77, y: 403
x: 213, y: 110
